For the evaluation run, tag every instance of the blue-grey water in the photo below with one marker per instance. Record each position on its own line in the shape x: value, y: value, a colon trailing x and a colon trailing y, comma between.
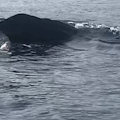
x: 79, y: 80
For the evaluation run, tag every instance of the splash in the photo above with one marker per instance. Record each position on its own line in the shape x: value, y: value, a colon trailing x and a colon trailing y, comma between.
x: 100, y: 32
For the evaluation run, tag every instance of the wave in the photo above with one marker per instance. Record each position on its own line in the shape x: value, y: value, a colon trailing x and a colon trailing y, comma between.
x: 99, y: 32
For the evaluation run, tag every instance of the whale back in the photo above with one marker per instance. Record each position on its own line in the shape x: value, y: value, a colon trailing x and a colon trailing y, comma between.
x: 23, y: 28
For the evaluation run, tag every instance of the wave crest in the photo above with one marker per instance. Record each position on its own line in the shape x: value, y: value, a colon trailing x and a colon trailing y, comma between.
x: 102, y: 32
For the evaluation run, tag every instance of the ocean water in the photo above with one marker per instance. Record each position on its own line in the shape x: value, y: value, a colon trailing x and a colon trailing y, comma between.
x: 100, y: 11
x: 79, y: 80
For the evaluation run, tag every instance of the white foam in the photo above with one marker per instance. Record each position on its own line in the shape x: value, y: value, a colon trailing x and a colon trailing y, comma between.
x: 5, y: 46
x: 29, y: 46
x: 81, y: 25
x: 115, y: 29
x: 89, y: 25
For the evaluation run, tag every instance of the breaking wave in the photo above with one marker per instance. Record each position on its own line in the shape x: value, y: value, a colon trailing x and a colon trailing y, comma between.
x: 101, y: 32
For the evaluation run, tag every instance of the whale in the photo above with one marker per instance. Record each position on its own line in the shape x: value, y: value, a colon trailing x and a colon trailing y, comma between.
x: 25, y: 29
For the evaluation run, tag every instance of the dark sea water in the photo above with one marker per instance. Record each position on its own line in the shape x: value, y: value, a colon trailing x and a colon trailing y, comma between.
x: 79, y: 80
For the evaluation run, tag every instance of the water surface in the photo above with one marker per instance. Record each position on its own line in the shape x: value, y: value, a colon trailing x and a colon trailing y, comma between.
x: 78, y: 80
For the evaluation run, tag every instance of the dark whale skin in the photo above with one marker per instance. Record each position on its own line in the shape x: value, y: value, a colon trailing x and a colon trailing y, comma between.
x: 23, y: 28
